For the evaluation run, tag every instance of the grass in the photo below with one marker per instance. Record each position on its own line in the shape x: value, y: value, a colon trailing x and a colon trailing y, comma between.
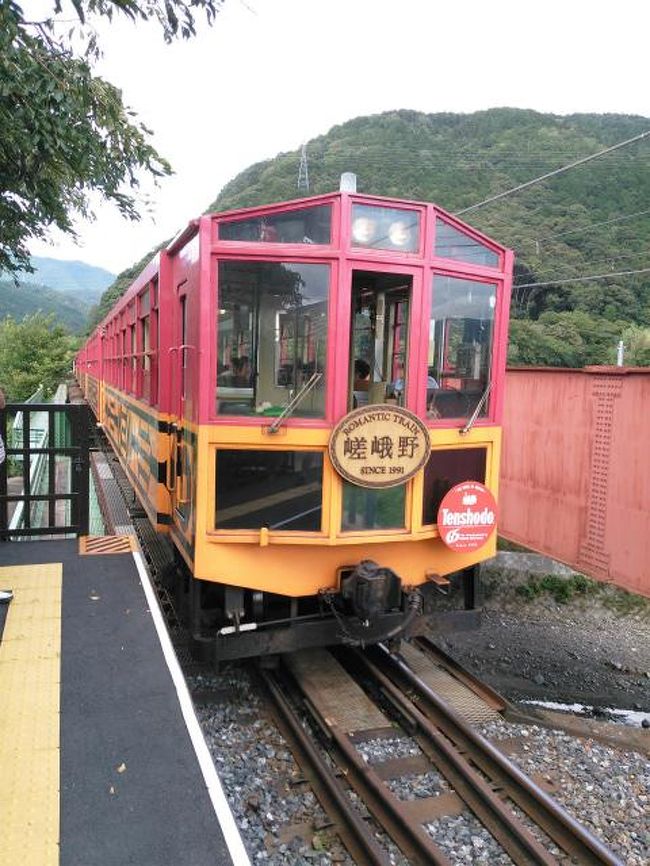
x: 625, y: 603
x: 566, y: 589
x: 562, y: 589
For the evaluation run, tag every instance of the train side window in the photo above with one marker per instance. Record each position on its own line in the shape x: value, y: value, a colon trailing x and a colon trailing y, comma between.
x: 451, y: 243
x: 365, y: 508
x: 280, y: 490
x: 133, y: 358
x: 154, y: 340
x: 145, y: 362
x: 459, y: 360
x: 272, y: 338
x: 300, y: 226
x: 446, y: 468
x: 123, y: 355
x: 143, y: 380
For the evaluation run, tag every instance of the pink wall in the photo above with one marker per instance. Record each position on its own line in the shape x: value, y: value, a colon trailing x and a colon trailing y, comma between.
x: 575, y: 472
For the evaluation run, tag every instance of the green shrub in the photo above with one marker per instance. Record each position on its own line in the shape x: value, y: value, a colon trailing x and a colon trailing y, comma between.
x: 562, y: 589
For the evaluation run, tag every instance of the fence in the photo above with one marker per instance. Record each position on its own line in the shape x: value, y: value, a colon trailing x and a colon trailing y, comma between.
x: 575, y: 473
x: 44, y: 482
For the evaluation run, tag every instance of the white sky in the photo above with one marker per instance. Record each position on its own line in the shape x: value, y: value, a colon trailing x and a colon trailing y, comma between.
x: 271, y: 74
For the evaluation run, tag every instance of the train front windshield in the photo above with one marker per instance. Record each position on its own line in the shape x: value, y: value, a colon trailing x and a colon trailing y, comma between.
x: 461, y: 333
x: 272, y: 337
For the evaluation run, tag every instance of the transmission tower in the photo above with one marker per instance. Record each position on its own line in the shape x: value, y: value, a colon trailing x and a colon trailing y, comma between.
x: 303, y: 171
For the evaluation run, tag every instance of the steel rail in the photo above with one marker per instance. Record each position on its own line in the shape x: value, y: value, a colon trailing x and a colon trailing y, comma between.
x: 478, y: 795
x: 556, y: 822
x: 354, y: 833
x: 412, y: 839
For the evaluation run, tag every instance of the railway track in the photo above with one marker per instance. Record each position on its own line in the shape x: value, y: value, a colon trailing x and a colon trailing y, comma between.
x: 356, y: 698
x: 527, y: 824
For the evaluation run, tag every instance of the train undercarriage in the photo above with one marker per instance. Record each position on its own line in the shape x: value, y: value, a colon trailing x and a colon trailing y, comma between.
x: 370, y: 606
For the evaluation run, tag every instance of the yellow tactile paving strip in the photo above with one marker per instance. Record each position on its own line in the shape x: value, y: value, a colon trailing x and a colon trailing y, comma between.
x: 30, y: 678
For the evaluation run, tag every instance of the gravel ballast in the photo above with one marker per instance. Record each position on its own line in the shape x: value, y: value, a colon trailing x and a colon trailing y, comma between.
x: 607, y: 790
x: 282, y: 823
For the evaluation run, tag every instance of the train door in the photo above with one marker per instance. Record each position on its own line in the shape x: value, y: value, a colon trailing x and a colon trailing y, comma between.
x: 180, y: 439
x: 379, y: 338
x: 383, y: 348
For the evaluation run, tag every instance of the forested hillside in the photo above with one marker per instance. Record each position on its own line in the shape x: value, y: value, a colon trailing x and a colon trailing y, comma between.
x: 25, y: 300
x: 592, y: 220
x: 66, y: 290
x: 85, y: 282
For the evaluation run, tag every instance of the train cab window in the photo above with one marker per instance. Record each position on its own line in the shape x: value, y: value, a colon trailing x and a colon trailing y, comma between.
x: 446, y: 468
x: 280, y: 490
x: 379, y: 338
x: 451, y: 243
x: 365, y: 509
x: 301, y: 226
x: 272, y: 338
x: 385, y: 228
x: 459, y: 358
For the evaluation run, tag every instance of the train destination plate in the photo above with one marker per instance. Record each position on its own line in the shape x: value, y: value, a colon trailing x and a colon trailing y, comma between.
x: 379, y: 446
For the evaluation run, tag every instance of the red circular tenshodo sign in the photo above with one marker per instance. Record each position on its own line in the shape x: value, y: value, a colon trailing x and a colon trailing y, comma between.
x: 467, y: 516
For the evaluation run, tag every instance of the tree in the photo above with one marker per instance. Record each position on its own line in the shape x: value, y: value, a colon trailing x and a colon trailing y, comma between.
x: 35, y: 351
x: 66, y: 132
x: 567, y: 339
x: 637, y: 346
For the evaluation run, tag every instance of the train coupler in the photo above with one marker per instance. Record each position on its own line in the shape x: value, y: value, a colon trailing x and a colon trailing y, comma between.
x: 369, y: 596
x: 371, y: 590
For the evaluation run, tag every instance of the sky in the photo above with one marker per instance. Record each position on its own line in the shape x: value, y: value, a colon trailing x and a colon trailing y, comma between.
x: 272, y: 74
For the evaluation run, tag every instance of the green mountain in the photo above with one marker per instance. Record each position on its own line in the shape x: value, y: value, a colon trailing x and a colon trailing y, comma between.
x: 85, y: 282
x: 594, y: 219
x: 22, y: 300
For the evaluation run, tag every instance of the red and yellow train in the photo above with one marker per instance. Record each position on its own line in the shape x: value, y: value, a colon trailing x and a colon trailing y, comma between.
x: 292, y: 390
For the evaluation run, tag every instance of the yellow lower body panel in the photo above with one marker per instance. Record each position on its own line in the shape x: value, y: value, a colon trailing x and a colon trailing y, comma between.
x: 301, y: 571
x: 30, y: 678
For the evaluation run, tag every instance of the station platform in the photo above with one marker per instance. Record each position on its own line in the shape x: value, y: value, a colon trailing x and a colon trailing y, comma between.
x: 102, y: 759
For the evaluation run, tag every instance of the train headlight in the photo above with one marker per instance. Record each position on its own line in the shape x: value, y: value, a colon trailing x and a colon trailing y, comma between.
x: 399, y: 234
x: 363, y: 230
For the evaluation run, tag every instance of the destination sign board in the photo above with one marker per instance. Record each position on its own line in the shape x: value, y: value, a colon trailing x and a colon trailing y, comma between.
x: 379, y: 446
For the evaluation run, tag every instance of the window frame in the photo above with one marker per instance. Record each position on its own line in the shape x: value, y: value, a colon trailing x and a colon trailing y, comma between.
x: 474, y: 235
x: 262, y: 256
x: 360, y: 252
x: 495, y: 280
x: 277, y: 212
x: 280, y: 535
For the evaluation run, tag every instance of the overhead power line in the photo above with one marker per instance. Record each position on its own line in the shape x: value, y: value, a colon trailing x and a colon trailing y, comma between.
x: 607, y: 260
x: 557, y: 171
x: 590, y: 226
x: 581, y: 279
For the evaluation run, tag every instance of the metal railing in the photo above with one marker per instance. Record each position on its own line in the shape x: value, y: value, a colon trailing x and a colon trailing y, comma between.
x: 44, y: 481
